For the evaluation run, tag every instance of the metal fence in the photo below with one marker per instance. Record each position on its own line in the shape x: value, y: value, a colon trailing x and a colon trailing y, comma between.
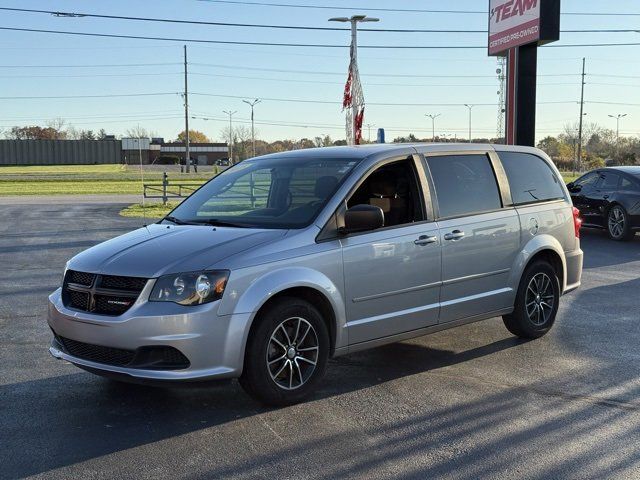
x: 59, y: 152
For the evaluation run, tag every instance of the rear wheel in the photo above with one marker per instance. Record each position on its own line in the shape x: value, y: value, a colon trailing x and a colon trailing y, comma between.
x: 618, y: 225
x: 286, y: 353
x: 536, y: 303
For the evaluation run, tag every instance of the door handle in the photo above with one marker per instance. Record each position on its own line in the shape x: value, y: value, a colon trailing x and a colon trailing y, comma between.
x: 605, y: 196
x: 425, y: 240
x: 455, y: 235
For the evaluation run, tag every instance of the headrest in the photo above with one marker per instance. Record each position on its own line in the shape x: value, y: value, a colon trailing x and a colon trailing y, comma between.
x: 382, y: 184
x: 325, y: 186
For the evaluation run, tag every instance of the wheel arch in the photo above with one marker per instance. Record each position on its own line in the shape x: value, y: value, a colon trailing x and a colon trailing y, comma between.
x: 541, y: 247
x: 302, y: 282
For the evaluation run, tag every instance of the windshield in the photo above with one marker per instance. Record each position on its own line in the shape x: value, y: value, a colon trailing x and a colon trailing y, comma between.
x: 265, y: 193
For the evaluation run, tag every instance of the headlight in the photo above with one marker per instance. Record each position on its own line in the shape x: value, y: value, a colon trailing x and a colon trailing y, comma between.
x: 193, y: 288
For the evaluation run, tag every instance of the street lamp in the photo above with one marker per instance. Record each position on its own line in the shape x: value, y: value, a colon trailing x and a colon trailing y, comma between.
x: 469, y: 107
x: 231, y: 114
x: 253, y: 132
x: 618, y: 117
x: 433, y: 125
x: 354, y: 20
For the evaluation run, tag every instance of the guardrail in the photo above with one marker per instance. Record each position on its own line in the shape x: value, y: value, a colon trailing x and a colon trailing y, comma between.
x: 161, y: 190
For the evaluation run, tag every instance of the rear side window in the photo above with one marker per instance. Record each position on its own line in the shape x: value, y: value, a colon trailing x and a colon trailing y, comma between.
x: 627, y: 184
x: 609, y: 181
x: 465, y: 184
x: 530, y: 178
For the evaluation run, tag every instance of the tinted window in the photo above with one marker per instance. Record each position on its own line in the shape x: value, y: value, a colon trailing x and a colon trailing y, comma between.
x: 609, y: 181
x: 393, y: 188
x: 589, y: 179
x: 465, y: 184
x: 627, y: 184
x: 530, y: 178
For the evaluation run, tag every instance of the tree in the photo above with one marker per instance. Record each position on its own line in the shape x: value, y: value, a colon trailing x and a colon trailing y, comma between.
x: 194, y: 137
x: 57, y: 125
x: 33, y: 133
x: 138, y: 132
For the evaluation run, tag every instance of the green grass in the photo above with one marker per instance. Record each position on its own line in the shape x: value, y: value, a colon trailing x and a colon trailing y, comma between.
x: 150, y: 210
x: 73, y: 169
x: 85, y: 179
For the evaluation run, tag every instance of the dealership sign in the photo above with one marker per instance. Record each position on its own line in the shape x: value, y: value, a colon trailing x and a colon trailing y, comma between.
x: 513, y: 23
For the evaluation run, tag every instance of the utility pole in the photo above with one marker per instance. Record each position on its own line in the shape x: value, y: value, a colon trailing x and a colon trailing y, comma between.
x: 579, y: 162
x: 230, y: 133
x: 469, y: 107
x: 369, y: 130
x: 354, y: 20
x: 187, y: 155
x: 433, y: 125
x: 253, y: 132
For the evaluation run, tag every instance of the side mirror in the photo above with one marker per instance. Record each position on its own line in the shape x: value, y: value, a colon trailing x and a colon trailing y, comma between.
x: 573, y: 188
x: 362, y: 218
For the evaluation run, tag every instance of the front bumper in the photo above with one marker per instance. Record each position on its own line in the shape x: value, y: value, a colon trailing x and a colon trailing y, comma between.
x: 214, y: 345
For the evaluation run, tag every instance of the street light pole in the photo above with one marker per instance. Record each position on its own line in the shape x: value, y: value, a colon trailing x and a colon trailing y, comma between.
x: 433, y: 125
x: 618, y: 117
x: 230, y: 113
x: 253, y: 132
x: 354, y: 20
x: 469, y: 107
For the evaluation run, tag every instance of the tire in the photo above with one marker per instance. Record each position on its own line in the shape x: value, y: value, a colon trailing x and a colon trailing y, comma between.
x: 534, y: 314
x: 618, y: 225
x: 286, y: 354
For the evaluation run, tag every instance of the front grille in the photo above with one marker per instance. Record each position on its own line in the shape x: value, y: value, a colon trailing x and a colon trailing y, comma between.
x: 149, y: 357
x: 81, y: 278
x: 79, y: 300
x: 102, y: 294
x: 97, y: 353
x: 123, y: 283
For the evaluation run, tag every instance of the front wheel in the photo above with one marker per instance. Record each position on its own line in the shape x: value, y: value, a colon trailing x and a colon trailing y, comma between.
x: 618, y: 224
x: 286, y: 354
x: 536, y: 303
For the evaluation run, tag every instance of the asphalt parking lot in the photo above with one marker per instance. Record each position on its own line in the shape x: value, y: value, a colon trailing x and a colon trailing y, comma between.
x: 472, y: 402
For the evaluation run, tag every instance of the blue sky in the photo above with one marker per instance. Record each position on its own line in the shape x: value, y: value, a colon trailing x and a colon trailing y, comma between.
x: 614, y: 71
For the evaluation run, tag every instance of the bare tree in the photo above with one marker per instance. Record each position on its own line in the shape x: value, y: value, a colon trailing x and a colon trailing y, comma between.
x: 139, y: 132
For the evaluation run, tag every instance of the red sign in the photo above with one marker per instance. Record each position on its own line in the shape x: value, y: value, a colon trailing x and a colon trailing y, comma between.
x: 513, y: 23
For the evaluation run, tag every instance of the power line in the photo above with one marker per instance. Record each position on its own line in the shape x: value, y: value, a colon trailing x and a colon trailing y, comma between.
x: 402, y: 10
x: 93, y: 75
x: 395, y: 84
x: 275, y: 26
x: 114, y: 95
x: 93, y: 65
x: 341, y: 74
x: 379, y: 104
x: 305, y: 45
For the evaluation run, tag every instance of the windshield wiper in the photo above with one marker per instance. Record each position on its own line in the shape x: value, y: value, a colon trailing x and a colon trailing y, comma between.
x: 220, y: 223
x: 176, y: 220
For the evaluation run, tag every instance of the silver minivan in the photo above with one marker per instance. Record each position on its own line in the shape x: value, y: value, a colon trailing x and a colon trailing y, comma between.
x: 284, y: 261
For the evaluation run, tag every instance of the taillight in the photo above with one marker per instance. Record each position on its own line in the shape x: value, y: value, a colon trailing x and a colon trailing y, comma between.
x: 577, y: 221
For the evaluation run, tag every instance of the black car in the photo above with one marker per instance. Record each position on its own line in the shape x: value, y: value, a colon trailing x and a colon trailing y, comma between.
x: 609, y: 198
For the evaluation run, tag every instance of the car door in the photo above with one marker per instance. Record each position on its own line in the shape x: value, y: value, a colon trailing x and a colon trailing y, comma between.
x: 600, y: 197
x: 392, y: 274
x: 581, y: 192
x: 480, y: 239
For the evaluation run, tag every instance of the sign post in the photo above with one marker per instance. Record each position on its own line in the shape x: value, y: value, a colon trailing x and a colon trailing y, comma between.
x: 516, y: 29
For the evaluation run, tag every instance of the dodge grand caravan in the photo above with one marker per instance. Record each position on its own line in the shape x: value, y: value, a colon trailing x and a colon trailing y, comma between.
x: 283, y: 261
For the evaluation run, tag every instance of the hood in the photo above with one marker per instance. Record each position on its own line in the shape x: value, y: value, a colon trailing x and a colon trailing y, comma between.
x: 162, y: 249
